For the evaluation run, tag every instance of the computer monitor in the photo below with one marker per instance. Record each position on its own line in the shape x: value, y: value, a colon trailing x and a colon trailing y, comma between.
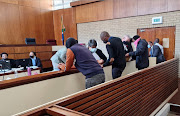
x: 22, y: 62
x: 5, y: 64
x: 30, y: 41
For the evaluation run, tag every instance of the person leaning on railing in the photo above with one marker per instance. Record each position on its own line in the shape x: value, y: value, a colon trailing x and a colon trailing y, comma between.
x: 59, y: 57
x: 97, y: 53
x: 141, y: 53
x: 85, y: 63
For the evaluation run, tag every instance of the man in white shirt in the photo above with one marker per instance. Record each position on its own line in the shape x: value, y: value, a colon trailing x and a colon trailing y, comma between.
x: 156, y: 42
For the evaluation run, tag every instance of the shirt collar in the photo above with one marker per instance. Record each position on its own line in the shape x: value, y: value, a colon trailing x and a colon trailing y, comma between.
x: 110, y: 38
x: 34, y: 58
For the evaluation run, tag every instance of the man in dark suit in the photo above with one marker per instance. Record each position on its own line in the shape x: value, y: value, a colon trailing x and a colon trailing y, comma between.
x: 34, y: 61
x: 156, y: 52
x: 141, y: 53
x: 116, y: 53
x: 4, y: 57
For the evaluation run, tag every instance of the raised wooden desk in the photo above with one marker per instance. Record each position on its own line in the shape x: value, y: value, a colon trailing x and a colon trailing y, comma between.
x: 21, y: 51
x: 20, y: 73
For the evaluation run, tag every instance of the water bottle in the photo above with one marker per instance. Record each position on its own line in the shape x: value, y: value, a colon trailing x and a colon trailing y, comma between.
x: 29, y: 71
x: 16, y: 73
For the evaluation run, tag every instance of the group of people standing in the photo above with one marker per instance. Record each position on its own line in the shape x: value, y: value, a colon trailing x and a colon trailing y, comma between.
x: 156, y: 51
x: 90, y: 61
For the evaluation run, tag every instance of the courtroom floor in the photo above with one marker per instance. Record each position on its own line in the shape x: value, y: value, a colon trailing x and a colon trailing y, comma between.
x: 172, y: 114
x: 176, y: 98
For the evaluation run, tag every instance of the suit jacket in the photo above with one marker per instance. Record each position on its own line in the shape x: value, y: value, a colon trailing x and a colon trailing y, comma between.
x: 59, y: 56
x: 115, y: 50
x: 38, y: 62
x: 161, y: 47
x: 158, y: 54
x: 128, y: 45
x: 101, y: 55
x: 141, y: 53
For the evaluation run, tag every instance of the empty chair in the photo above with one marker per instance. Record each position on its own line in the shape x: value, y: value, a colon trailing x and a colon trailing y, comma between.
x: 30, y: 41
x: 51, y: 41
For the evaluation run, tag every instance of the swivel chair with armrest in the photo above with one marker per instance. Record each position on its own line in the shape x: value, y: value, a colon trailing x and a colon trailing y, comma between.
x: 51, y: 42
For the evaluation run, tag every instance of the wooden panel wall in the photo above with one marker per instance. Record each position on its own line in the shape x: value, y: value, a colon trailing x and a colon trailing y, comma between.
x: 125, y: 8
x: 20, y: 19
x: 111, y: 9
x: 173, y: 5
x: 69, y: 23
x: 151, y: 6
x: 94, y: 11
x: 82, y: 2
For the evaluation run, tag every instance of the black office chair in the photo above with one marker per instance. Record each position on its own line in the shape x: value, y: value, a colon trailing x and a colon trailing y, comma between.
x: 30, y: 41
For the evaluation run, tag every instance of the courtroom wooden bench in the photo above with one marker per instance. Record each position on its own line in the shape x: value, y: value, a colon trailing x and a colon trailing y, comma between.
x: 138, y: 94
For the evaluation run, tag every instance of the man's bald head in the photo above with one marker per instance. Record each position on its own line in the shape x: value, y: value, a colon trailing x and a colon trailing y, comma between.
x: 104, y: 36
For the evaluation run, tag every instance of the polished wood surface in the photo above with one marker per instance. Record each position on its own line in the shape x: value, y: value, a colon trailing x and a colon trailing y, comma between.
x: 7, y: 50
x: 11, y: 56
x: 22, y: 19
x: 152, y: 6
x: 173, y: 5
x: 104, y: 10
x: 22, y: 45
x: 46, y: 4
x: 125, y: 8
x: 94, y: 11
x: 58, y: 110
x: 176, y: 98
x: 10, y: 1
x: 10, y: 24
x: 44, y: 55
x: 31, y: 3
x: 24, y: 49
x: 165, y: 32
x: 21, y: 56
x: 34, y: 78
x: 46, y: 63
x: 31, y: 23
x: 47, y: 26
x: 69, y: 23
x: 43, y: 48
x: 82, y: 2
x: 137, y: 94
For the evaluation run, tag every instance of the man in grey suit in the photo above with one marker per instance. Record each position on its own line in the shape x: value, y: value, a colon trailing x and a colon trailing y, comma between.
x: 59, y: 57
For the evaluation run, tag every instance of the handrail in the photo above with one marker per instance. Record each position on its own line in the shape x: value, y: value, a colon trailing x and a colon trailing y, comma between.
x: 22, y: 45
x: 159, y: 81
x: 34, y: 78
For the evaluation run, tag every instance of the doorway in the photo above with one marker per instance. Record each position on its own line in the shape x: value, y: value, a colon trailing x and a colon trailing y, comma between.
x: 166, y: 36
